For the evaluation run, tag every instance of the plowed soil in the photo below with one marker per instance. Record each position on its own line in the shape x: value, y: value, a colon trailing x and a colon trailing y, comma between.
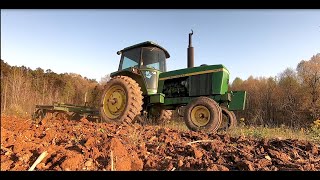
x: 85, y: 145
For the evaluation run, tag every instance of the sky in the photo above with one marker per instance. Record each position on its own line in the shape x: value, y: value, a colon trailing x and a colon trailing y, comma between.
x: 261, y: 43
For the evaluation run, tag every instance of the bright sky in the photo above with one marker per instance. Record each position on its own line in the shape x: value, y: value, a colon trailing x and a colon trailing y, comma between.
x: 247, y: 42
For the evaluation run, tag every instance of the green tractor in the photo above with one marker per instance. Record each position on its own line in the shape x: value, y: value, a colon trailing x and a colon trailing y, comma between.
x: 143, y: 88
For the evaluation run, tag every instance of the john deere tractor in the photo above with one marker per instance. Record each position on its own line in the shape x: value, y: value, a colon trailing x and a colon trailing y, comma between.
x: 143, y: 88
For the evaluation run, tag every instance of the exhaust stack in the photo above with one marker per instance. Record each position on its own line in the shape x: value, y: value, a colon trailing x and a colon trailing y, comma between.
x: 190, y: 52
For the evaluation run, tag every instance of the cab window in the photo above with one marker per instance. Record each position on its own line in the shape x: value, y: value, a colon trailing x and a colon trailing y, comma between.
x: 130, y: 58
x: 153, y: 57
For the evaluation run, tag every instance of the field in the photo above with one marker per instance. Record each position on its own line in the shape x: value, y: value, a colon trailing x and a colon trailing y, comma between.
x: 85, y: 145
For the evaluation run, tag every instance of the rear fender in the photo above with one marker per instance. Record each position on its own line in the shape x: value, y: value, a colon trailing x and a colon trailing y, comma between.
x: 134, y: 74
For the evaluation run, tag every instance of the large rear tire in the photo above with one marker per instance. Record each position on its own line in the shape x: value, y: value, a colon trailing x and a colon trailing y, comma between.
x: 121, y: 100
x: 203, y: 114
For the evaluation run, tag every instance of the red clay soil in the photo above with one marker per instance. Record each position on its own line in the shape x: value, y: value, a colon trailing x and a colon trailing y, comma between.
x: 84, y: 145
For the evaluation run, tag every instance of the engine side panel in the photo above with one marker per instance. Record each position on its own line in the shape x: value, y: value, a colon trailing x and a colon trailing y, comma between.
x: 192, y: 82
x: 200, y: 85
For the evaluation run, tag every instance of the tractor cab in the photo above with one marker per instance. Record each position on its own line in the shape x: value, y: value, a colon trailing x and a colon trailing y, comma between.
x: 146, y: 55
x: 147, y: 60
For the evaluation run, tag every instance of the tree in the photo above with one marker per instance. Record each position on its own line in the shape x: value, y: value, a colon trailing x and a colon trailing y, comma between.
x: 23, y: 88
x: 289, y: 95
x: 237, y: 82
x: 309, y: 72
x: 105, y: 79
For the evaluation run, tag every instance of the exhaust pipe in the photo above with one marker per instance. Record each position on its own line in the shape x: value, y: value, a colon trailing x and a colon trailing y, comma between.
x: 190, y: 52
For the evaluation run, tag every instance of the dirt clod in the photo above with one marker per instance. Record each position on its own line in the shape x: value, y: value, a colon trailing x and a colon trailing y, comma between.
x: 197, y: 153
x: 84, y: 145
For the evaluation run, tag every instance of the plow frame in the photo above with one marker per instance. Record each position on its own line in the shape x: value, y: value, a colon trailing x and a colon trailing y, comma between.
x: 64, y: 111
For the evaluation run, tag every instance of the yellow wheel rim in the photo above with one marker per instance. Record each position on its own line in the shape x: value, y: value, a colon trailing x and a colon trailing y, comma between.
x: 114, y: 102
x: 200, y: 115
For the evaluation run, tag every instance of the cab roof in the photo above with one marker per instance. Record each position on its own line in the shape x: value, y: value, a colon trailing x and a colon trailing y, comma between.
x: 146, y: 44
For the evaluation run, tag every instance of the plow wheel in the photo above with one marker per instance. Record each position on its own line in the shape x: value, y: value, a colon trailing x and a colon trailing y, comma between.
x: 229, y: 120
x: 160, y: 115
x: 61, y: 116
x: 203, y: 113
x: 38, y: 116
x: 121, y: 100
x: 75, y: 116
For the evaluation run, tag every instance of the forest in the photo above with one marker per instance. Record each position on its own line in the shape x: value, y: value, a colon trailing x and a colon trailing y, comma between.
x: 292, y: 98
x: 22, y: 88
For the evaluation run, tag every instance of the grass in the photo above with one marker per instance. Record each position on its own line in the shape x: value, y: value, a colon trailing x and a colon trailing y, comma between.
x: 177, y: 124
x: 310, y: 134
x: 276, y: 132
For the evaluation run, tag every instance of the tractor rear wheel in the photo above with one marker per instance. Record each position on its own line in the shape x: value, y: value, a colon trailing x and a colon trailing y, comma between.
x: 229, y: 119
x: 121, y: 100
x: 203, y: 113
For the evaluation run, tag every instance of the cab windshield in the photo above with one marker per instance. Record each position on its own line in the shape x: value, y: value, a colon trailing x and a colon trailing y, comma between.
x: 153, y: 57
x: 149, y: 57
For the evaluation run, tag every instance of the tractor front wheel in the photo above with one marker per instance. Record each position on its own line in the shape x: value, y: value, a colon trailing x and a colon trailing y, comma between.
x: 203, y: 113
x: 121, y: 100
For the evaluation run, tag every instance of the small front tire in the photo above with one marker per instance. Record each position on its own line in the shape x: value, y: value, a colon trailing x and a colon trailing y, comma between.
x: 203, y: 114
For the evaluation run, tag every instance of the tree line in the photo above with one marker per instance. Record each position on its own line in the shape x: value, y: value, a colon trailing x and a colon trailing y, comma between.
x: 292, y: 98
x: 22, y: 88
